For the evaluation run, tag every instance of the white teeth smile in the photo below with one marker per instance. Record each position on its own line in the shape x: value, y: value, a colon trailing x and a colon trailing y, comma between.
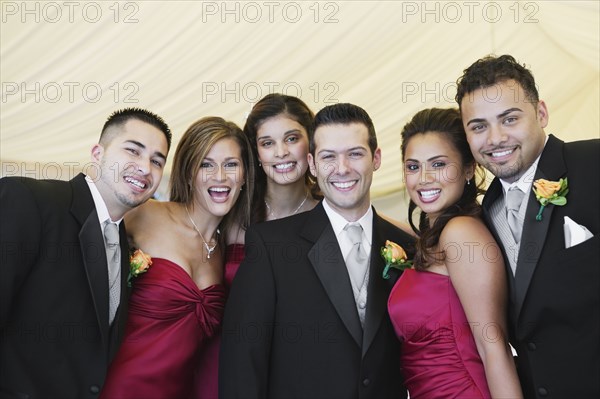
x: 429, y: 193
x: 283, y: 166
x: 502, y: 153
x: 219, y: 189
x: 135, y: 182
x: 343, y: 185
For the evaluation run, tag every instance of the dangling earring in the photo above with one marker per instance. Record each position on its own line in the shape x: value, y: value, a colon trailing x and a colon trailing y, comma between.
x: 468, y: 182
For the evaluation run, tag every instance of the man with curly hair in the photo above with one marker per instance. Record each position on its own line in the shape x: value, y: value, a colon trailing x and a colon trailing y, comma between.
x: 553, y: 281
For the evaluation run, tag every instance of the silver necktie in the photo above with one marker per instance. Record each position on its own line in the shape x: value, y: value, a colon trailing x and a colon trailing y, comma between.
x: 113, y: 257
x: 357, y: 263
x: 513, y: 200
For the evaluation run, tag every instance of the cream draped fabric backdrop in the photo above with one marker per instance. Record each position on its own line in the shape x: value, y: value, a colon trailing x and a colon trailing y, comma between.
x: 65, y: 66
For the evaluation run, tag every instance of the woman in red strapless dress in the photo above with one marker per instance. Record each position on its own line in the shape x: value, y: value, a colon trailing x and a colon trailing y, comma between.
x: 449, y: 311
x: 177, y: 305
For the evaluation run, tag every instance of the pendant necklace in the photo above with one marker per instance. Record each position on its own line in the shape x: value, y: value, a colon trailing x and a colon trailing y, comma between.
x: 209, y: 249
x: 271, y: 213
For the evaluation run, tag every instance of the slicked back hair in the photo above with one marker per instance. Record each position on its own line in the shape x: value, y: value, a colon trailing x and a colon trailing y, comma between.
x: 343, y: 114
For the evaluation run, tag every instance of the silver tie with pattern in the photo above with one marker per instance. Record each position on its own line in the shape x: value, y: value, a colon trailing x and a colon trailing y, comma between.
x: 357, y: 263
x: 513, y: 200
x: 113, y: 257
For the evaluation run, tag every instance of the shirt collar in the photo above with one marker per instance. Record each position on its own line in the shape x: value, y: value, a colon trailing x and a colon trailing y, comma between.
x: 338, y: 222
x: 101, y: 208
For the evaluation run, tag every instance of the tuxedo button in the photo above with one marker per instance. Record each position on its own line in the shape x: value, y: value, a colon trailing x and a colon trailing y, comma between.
x: 366, y: 382
x: 543, y: 391
x: 531, y: 346
x: 94, y: 389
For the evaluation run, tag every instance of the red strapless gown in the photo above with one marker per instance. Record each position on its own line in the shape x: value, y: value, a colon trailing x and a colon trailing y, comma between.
x: 439, y: 358
x: 170, y: 318
x: 207, y: 380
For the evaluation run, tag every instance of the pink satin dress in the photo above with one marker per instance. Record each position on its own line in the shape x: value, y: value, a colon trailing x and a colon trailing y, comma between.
x: 207, y: 379
x: 439, y: 358
x: 170, y: 319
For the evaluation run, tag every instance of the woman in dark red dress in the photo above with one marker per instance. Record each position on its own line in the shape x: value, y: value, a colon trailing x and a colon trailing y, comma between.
x: 450, y: 310
x: 177, y: 305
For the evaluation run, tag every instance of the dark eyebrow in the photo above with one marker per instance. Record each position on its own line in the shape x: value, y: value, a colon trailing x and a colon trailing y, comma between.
x: 360, y: 147
x: 476, y: 120
x: 137, y: 143
x: 508, y: 111
x: 430, y: 159
x: 142, y: 146
x: 226, y: 159
x: 500, y: 116
x: 268, y: 137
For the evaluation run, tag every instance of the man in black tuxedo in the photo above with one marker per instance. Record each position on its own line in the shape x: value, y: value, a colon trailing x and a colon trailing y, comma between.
x: 553, y: 278
x: 60, y: 322
x: 301, y: 321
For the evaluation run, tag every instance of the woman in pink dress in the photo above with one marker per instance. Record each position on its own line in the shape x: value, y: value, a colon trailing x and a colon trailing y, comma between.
x: 177, y: 305
x: 449, y: 311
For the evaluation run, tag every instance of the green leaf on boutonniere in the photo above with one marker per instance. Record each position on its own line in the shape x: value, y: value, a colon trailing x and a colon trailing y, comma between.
x: 394, y: 256
x: 139, y: 263
x: 550, y: 192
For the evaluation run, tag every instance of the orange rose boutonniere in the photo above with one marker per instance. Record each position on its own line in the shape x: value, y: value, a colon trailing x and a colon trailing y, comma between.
x: 394, y: 256
x: 550, y: 192
x: 139, y: 263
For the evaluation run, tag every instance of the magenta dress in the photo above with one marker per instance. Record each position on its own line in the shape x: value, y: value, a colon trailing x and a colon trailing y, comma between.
x: 439, y: 358
x: 207, y: 378
x: 170, y: 319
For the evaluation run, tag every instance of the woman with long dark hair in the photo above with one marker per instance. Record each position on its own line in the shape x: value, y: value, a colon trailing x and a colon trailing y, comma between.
x: 449, y: 310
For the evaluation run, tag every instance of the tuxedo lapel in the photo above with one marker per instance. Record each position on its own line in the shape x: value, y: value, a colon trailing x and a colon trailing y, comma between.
x: 93, y: 250
x: 550, y: 167
x: 377, y: 292
x: 328, y: 262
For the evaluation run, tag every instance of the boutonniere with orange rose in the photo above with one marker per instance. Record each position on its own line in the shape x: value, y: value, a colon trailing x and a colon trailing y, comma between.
x: 394, y: 256
x: 550, y: 192
x: 139, y: 263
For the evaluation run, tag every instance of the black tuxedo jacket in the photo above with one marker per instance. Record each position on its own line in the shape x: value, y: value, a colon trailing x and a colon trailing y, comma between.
x: 55, y: 337
x: 554, y: 295
x: 291, y: 328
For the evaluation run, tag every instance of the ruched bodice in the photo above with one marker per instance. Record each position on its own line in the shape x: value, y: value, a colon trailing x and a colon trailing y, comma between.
x: 170, y: 319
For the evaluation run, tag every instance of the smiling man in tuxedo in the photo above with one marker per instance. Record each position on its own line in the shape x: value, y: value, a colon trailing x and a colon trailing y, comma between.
x: 307, y: 314
x: 62, y: 306
x: 553, y: 280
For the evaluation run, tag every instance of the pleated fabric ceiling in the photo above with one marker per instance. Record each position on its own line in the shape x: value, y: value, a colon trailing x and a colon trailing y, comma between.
x: 65, y: 66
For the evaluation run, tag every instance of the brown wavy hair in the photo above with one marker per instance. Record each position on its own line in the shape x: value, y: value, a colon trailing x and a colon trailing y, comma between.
x: 193, y: 147
x: 447, y: 123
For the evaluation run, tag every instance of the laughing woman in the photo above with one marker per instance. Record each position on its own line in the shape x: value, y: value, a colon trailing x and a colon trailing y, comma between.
x: 177, y: 305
